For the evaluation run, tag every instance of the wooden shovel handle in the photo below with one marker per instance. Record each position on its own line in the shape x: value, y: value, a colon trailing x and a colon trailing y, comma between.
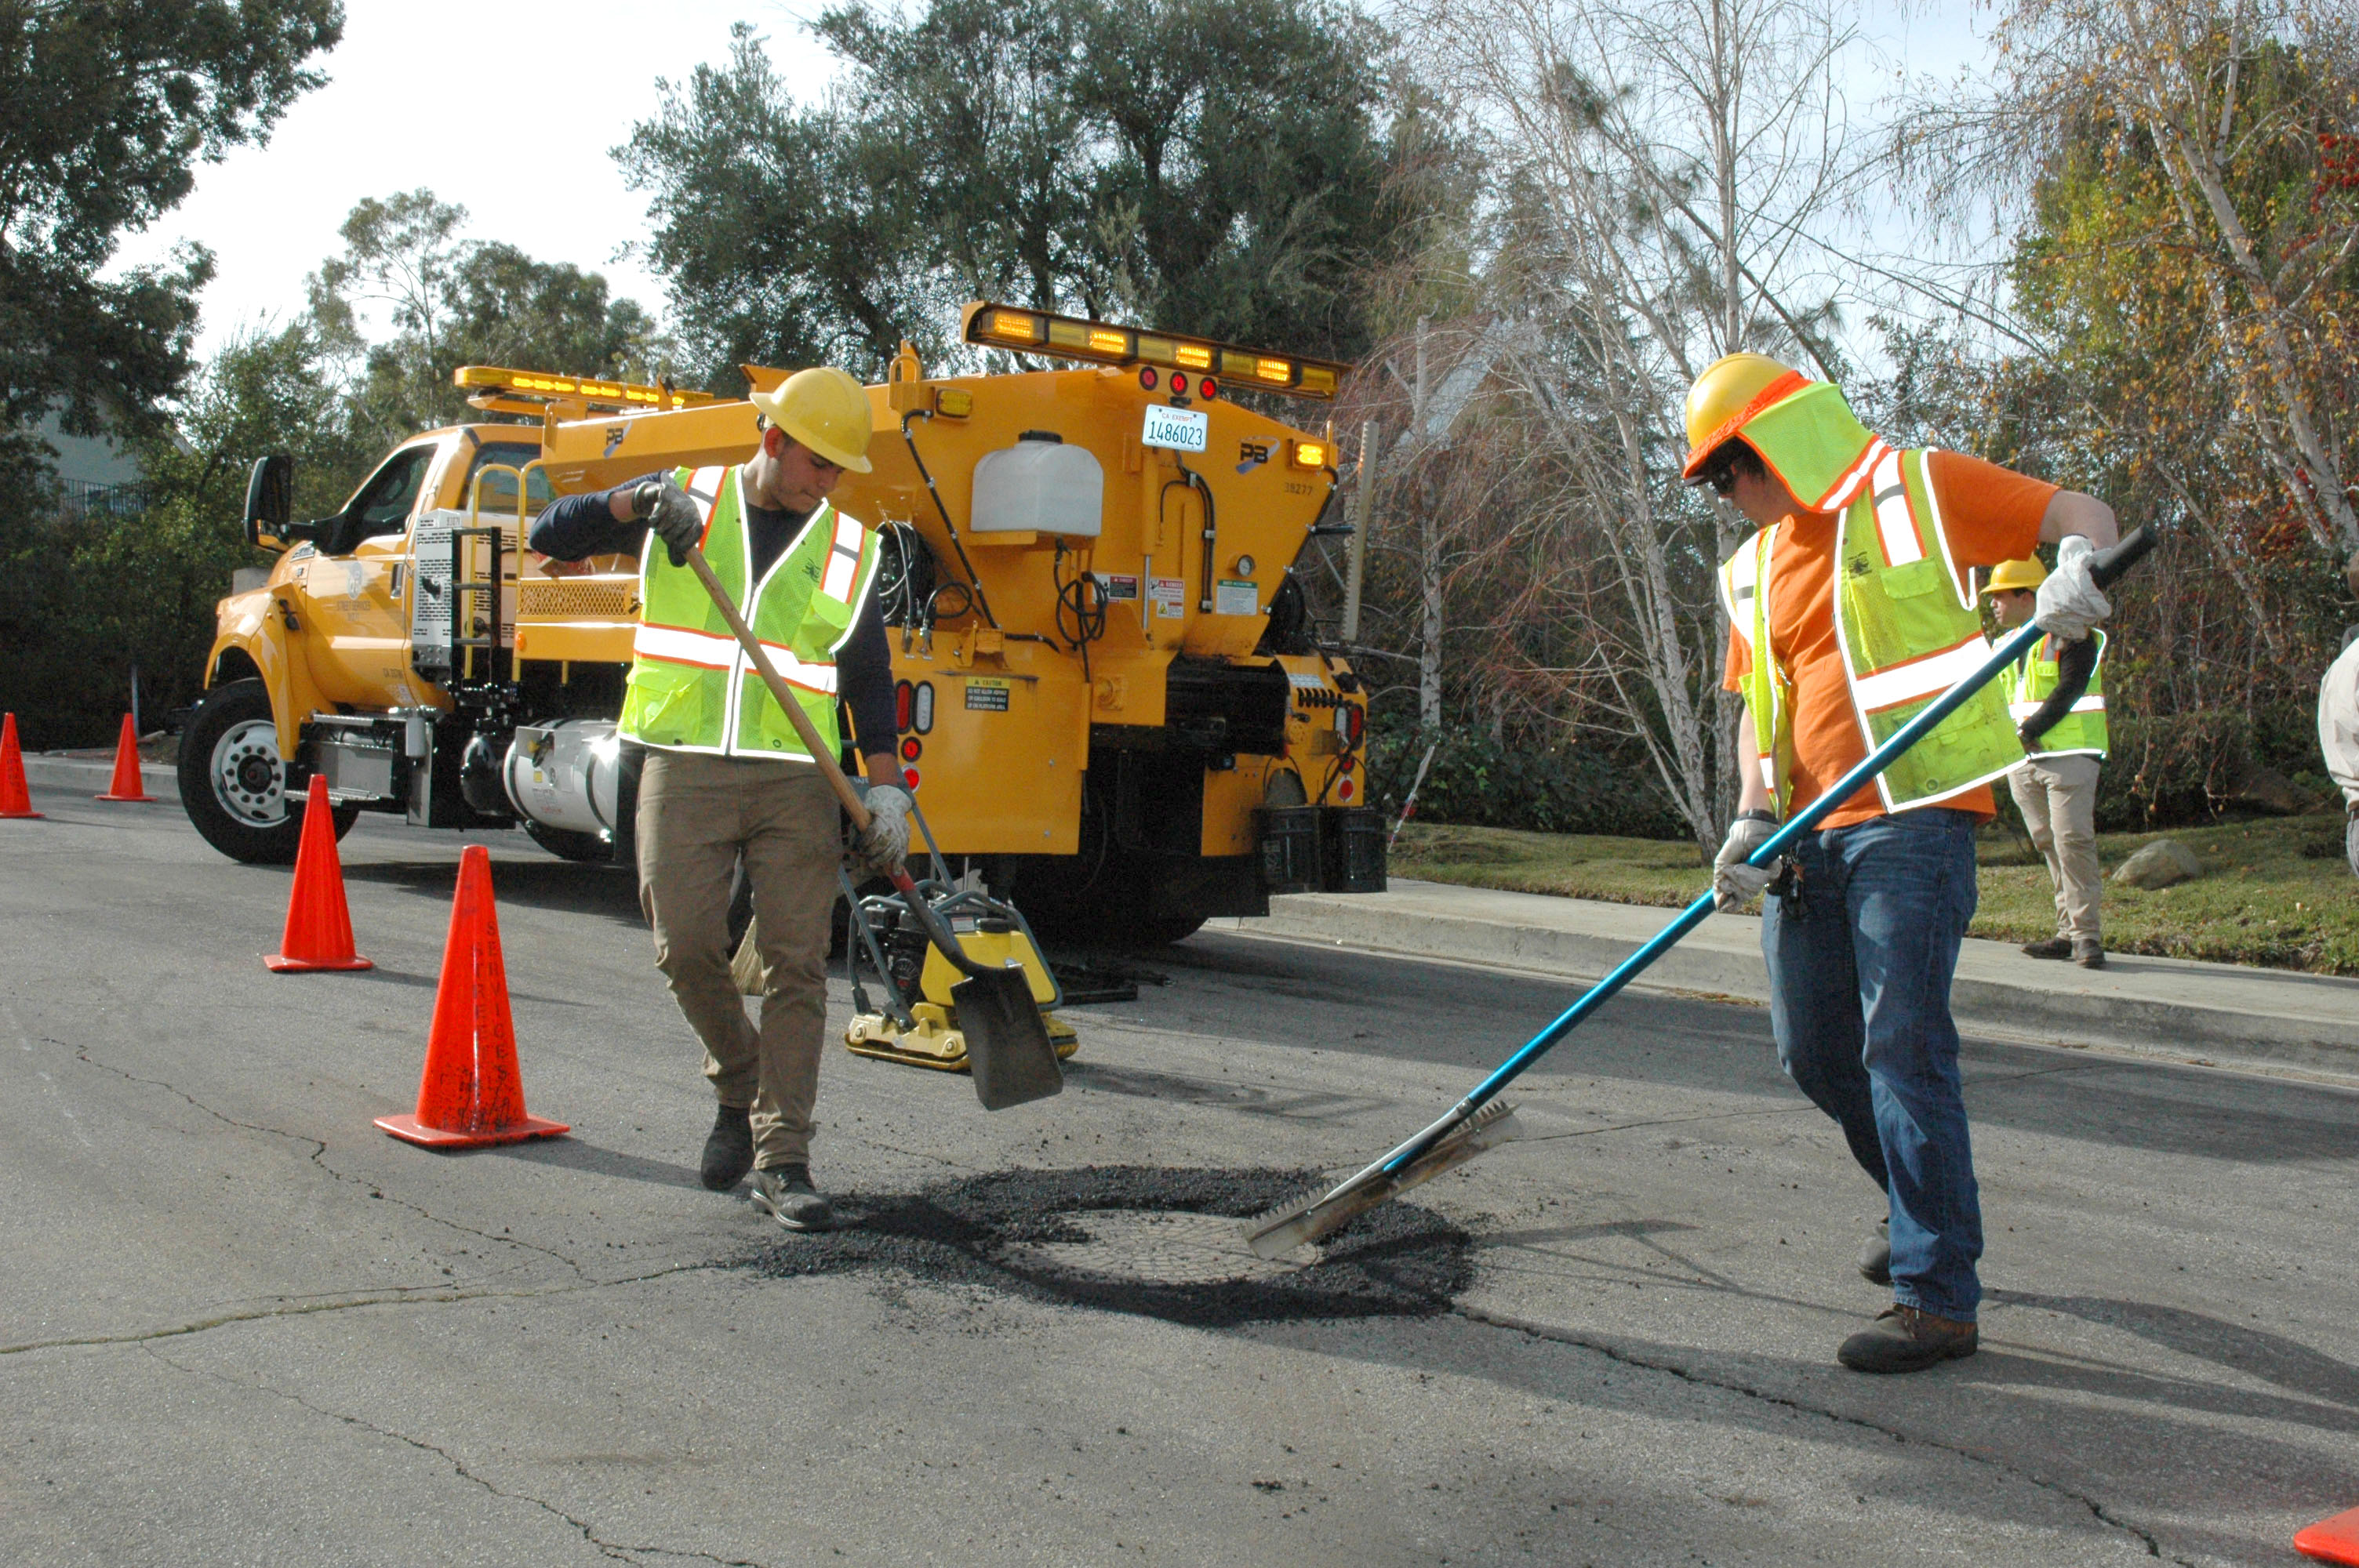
x: 853, y: 805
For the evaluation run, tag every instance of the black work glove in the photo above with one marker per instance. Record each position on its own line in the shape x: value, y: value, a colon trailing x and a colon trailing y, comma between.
x: 672, y: 515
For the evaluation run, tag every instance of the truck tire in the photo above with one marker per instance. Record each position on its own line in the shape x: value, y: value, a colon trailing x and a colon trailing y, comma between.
x: 233, y: 783
x: 586, y: 849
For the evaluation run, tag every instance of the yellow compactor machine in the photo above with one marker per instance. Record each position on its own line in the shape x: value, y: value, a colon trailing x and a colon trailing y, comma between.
x: 1113, y: 708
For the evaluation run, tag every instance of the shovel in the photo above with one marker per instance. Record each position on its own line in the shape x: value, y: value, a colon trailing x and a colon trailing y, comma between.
x: 1474, y: 1124
x: 1006, y: 1043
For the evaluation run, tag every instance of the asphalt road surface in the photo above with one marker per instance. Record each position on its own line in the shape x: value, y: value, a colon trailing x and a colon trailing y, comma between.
x: 238, y: 1324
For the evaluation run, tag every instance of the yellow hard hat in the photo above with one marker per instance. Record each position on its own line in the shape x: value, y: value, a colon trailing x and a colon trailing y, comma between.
x: 825, y: 410
x: 1732, y: 390
x: 2010, y: 576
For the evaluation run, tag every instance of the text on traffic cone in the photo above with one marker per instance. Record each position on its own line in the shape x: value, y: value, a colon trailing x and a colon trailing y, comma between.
x: 319, y: 922
x: 15, y: 800
x: 472, y: 1092
x: 127, y: 785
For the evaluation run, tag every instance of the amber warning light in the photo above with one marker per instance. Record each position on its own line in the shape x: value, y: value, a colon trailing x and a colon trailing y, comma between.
x: 1066, y: 337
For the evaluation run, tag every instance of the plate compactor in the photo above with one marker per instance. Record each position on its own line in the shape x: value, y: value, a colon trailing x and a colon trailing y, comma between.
x: 917, y: 1022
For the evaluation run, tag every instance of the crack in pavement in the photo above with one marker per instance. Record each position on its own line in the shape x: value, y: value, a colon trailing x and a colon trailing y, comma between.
x: 305, y: 1308
x: 1702, y: 1380
x: 317, y: 1157
x: 620, y: 1552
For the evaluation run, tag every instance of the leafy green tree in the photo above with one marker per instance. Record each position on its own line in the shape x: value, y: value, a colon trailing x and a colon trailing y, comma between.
x: 1222, y: 167
x: 112, y: 105
x: 446, y: 301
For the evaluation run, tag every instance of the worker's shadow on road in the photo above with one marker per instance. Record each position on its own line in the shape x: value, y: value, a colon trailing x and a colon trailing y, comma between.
x: 2238, y: 1347
x: 572, y: 1154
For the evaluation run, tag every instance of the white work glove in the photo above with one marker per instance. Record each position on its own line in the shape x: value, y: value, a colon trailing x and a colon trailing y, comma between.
x: 2070, y: 603
x: 672, y: 515
x: 879, y: 851
x: 1735, y: 885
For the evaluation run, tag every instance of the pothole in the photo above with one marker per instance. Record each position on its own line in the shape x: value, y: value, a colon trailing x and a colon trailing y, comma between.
x: 1156, y: 1241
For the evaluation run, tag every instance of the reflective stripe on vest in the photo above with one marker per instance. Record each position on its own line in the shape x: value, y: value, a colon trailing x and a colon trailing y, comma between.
x: 691, y: 687
x: 1907, y: 630
x: 2081, y: 730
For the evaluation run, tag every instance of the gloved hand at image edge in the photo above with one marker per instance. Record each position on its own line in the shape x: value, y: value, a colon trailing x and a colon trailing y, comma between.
x: 672, y: 515
x: 2070, y: 603
x: 879, y: 851
x: 1735, y: 885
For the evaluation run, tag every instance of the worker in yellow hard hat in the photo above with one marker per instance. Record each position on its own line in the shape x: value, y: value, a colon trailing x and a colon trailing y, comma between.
x: 1862, y: 933
x: 2056, y: 696
x: 725, y: 779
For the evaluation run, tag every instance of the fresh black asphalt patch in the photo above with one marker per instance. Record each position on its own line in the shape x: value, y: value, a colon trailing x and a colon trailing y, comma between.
x: 1160, y: 1242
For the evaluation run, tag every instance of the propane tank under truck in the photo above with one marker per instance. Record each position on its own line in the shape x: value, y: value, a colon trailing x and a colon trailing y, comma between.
x: 1112, y: 705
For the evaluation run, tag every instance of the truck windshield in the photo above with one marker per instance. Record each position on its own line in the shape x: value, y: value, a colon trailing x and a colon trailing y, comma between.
x: 499, y: 489
x: 382, y: 505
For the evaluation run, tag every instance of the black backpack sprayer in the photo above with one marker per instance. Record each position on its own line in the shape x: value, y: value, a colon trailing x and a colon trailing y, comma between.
x: 1481, y: 1120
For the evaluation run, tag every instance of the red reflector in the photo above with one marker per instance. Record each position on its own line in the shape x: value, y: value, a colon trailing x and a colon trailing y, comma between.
x: 1179, y: 384
x: 911, y: 749
x: 910, y: 777
x: 1146, y: 377
x: 1206, y: 390
x: 1343, y: 790
x: 901, y: 702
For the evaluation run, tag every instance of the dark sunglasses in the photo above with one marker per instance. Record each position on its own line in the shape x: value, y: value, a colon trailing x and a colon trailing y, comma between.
x: 1722, y: 476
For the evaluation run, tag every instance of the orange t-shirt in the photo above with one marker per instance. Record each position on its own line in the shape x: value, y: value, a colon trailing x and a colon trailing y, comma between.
x: 1991, y: 514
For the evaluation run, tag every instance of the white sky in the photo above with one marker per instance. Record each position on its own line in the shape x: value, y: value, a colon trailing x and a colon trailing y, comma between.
x: 512, y: 111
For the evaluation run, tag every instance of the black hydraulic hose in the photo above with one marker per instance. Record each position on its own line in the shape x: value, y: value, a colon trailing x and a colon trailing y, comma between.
x: 982, y: 600
x: 1212, y: 533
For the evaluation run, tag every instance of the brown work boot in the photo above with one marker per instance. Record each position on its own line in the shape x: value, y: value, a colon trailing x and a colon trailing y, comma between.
x: 2089, y: 955
x: 728, y: 1149
x: 1904, y: 1339
x: 2054, y: 947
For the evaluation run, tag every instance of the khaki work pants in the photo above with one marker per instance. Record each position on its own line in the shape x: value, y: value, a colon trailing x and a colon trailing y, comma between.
x: 697, y: 816
x: 2058, y: 796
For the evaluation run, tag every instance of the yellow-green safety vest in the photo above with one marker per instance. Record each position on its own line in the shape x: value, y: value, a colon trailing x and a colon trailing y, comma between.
x: 2029, y: 682
x: 691, y: 687
x: 1904, y: 617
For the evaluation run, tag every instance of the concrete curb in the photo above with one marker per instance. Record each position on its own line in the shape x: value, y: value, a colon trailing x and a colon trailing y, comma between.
x: 2173, y: 1006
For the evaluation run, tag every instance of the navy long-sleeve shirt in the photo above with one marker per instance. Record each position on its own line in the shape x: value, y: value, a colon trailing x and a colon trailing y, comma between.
x: 573, y: 526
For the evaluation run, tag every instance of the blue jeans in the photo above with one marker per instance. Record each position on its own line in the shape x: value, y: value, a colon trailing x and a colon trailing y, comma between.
x: 1859, y: 999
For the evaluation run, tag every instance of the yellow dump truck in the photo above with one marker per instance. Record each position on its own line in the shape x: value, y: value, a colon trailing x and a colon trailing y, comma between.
x: 1112, y: 702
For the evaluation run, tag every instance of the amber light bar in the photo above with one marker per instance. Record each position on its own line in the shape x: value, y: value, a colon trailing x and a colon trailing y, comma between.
x: 496, y: 386
x: 1068, y: 337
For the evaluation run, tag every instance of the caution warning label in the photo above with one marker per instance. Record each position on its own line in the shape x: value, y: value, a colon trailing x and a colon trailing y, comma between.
x: 986, y: 695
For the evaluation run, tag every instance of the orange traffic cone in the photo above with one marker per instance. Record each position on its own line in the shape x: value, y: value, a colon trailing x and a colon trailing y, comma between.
x: 127, y: 785
x: 15, y: 800
x: 2333, y: 1540
x: 319, y: 922
x: 471, y: 1093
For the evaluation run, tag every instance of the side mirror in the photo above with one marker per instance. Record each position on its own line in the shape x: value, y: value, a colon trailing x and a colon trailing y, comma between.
x: 270, y: 499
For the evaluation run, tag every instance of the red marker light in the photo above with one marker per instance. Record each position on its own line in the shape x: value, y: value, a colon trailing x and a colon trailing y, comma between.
x: 910, y: 777
x: 911, y: 749
x: 1146, y: 377
x: 1179, y: 384
x: 1345, y: 761
x: 1206, y: 390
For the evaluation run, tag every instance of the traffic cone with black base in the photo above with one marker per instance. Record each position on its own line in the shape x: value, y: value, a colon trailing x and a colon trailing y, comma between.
x: 127, y: 786
x: 319, y: 922
x: 2333, y: 1540
x: 471, y: 1093
x: 15, y: 800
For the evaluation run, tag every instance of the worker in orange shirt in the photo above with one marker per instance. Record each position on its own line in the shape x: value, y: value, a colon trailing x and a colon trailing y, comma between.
x: 1851, y: 611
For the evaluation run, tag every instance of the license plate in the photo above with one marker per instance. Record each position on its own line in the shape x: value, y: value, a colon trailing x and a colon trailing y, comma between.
x: 1180, y: 429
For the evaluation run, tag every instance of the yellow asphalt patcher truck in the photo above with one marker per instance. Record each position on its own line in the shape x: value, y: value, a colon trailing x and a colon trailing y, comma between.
x: 1112, y: 703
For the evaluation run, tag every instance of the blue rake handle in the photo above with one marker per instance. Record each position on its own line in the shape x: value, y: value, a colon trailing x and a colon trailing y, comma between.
x: 2108, y: 565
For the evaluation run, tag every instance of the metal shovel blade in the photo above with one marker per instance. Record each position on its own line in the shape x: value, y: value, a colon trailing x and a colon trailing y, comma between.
x: 1007, y: 1041
x: 1275, y: 1235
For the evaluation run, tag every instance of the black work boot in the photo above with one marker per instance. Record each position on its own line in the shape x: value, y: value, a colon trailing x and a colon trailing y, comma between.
x: 1904, y: 1339
x: 788, y: 1195
x: 728, y: 1149
x: 2089, y: 954
x: 1875, y: 1255
x: 2053, y: 948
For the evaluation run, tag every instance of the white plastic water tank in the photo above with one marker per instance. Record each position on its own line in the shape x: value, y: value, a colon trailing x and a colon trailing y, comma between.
x: 1040, y: 485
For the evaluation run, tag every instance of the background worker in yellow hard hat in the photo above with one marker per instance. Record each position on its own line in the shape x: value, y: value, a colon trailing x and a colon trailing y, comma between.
x: 1863, y: 938
x: 2057, y: 700
x: 725, y: 777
